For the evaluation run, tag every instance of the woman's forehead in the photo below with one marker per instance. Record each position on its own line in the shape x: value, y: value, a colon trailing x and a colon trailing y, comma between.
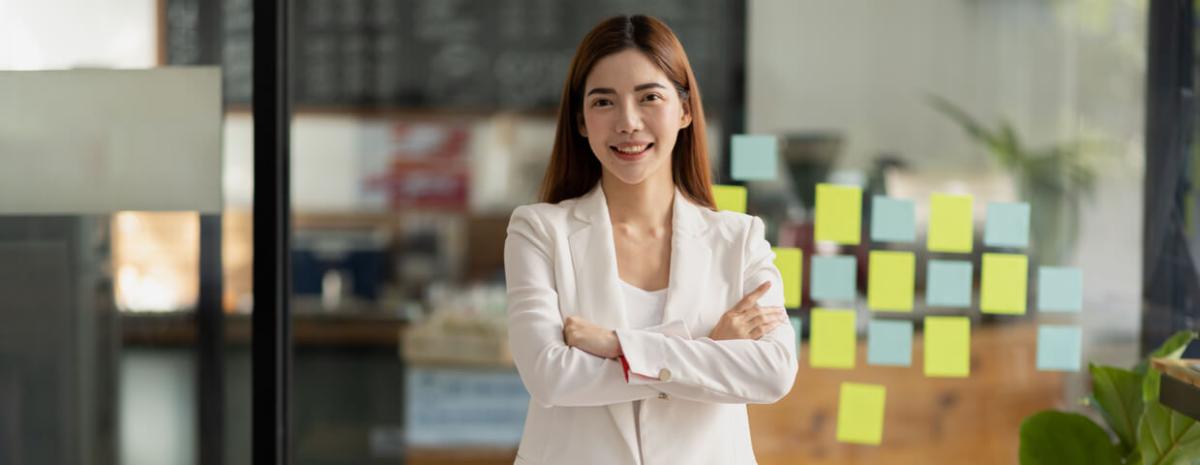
x: 622, y: 71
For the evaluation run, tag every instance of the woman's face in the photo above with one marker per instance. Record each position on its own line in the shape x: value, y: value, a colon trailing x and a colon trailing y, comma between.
x: 631, y: 116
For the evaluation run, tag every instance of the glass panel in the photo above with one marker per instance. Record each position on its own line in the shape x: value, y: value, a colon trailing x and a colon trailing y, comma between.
x: 102, y: 248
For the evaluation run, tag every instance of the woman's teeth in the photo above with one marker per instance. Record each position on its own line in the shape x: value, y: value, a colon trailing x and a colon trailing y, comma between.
x: 636, y: 149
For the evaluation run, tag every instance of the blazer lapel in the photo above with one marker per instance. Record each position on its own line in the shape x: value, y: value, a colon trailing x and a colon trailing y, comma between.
x: 594, y: 259
x: 691, y: 260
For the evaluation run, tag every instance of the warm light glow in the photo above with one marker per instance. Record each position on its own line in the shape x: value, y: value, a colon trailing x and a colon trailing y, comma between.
x: 156, y: 258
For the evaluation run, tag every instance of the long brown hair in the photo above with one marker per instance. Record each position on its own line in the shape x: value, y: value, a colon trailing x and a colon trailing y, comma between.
x: 573, y: 169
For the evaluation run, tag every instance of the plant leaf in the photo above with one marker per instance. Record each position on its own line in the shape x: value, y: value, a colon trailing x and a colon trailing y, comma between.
x: 1167, y: 437
x: 1055, y: 438
x: 1118, y: 397
x: 1172, y: 349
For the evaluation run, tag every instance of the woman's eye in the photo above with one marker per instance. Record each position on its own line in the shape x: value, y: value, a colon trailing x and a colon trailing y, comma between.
x: 599, y: 102
x: 653, y: 97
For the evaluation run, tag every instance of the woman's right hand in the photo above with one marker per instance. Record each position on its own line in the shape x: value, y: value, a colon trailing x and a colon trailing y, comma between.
x: 747, y: 320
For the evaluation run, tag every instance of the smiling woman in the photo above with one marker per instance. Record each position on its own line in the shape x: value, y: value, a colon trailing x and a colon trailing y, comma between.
x: 641, y: 320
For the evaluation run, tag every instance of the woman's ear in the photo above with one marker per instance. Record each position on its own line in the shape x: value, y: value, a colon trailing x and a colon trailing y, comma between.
x: 685, y: 120
x: 582, y: 127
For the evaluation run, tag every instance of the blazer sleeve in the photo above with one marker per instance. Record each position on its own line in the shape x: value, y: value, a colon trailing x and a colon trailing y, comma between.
x: 554, y: 374
x: 735, y: 371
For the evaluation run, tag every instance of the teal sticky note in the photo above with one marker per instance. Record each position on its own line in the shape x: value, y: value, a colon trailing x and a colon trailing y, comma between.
x: 833, y: 278
x: 1060, y: 289
x: 797, y: 325
x: 948, y: 283
x: 754, y: 157
x: 889, y: 343
x: 892, y: 220
x: 1007, y: 225
x: 1059, y: 348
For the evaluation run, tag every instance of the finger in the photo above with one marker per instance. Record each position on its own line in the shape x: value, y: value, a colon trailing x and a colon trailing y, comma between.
x: 755, y: 294
x: 765, y: 330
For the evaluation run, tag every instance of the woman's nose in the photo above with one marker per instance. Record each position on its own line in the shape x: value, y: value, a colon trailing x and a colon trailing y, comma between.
x: 629, y: 119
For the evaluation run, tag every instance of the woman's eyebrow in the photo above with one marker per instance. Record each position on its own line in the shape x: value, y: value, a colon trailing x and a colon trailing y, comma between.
x: 637, y: 88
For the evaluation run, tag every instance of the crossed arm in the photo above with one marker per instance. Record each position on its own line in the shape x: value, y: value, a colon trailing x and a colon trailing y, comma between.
x: 748, y: 358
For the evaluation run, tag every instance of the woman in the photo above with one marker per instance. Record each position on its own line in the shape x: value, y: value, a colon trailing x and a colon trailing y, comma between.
x: 641, y: 320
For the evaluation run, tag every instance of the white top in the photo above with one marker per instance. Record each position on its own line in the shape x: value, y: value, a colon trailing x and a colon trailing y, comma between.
x: 643, y: 309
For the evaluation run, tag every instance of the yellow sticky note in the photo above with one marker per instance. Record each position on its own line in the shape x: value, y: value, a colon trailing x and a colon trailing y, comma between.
x: 951, y: 223
x: 831, y: 338
x: 839, y: 214
x: 947, y: 346
x: 860, y: 413
x: 790, y: 262
x: 890, y: 281
x: 732, y: 198
x: 1005, y: 279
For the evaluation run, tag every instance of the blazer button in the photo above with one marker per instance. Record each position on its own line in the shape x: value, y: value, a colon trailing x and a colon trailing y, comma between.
x: 664, y: 396
x: 664, y: 375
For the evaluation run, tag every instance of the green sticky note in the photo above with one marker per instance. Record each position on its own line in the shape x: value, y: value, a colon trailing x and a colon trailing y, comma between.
x: 947, y: 346
x: 831, y: 339
x: 839, y: 214
x: 860, y: 413
x: 1007, y: 225
x: 754, y: 157
x: 1059, y: 348
x: 731, y: 198
x: 790, y: 262
x: 892, y: 220
x: 1060, y: 289
x: 1005, y: 279
x: 890, y: 280
x: 797, y: 325
x: 833, y: 278
x: 951, y: 227
x: 948, y: 283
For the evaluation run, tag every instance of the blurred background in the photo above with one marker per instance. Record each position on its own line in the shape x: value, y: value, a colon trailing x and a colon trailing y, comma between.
x: 420, y: 124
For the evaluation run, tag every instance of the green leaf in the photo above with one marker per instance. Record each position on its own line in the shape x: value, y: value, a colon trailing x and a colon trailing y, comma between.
x: 1060, y: 438
x: 1167, y: 437
x: 1172, y: 349
x: 1118, y: 396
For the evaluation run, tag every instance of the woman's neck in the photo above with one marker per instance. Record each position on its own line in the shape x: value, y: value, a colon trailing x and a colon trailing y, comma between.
x: 644, y: 205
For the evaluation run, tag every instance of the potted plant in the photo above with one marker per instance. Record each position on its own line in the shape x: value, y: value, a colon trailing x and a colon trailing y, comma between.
x: 1146, y: 432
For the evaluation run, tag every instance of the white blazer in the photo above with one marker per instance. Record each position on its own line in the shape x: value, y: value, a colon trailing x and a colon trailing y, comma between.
x: 559, y: 260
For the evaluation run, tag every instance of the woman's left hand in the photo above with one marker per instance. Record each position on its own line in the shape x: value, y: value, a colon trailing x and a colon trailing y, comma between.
x: 591, y: 338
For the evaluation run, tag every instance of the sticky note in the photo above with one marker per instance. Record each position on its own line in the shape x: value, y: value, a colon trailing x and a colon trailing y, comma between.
x: 948, y: 283
x: 890, y: 278
x: 951, y: 227
x: 731, y: 198
x: 755, y: 158
x: 1060, y: 289
x: 1007, y: 225
x: 947, y: 346
x: 790, y: 262
x: 1004, y: 279
x: 831, y: 339
x: 892, y: 220
x: 860, y: 413
x: 889, y: 343
x: 1059, y: 348
x: 833, y: 278
x: 797, y: 325
x: 839, y: 214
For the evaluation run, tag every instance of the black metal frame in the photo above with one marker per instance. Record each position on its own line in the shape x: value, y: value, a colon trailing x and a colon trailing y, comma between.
x: 271, y: 327
x: 1171, y: 294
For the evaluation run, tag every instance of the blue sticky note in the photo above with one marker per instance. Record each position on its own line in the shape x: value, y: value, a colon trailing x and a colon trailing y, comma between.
x: 754, y: 157
x: 797, y: 325
x: 1060, y: 289
x: 833, y: 278
x: 1007, y: 225
x: 948, y: 283
x: 889, y: 343
x: 1059, y: 348
x: 892, y: 220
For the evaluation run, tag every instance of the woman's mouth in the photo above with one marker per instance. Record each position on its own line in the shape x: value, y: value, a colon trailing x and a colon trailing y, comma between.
x: 631, y: 152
